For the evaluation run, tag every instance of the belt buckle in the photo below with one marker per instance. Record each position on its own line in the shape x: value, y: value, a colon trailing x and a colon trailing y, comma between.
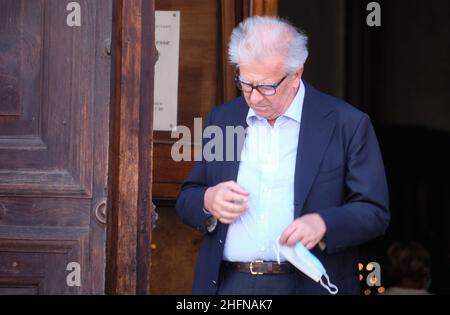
x: 251, y: 267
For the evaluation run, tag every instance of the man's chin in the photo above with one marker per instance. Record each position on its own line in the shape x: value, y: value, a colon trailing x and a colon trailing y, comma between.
x: 263, y: 112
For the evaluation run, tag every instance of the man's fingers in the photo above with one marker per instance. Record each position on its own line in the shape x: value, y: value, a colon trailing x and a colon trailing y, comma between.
x: 228, y: 217
x: 234, y: 207
x: 294, y: 234
x: 228, y: 211
x: 287, y: 233
x: 226, y: 221
x: 235, y: 197
x: 295, y: 237
x: 233, y: 186
x: 310, y: 245
x: 230, y: 202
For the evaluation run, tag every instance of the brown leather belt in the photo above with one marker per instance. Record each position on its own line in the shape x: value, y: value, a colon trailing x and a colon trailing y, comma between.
x: 260, y: 267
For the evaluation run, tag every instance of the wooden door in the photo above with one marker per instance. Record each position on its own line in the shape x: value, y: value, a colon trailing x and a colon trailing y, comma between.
x: 54, y: 134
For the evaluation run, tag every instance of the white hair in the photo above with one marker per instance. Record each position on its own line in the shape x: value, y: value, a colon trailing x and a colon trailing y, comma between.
x: 260, y: 37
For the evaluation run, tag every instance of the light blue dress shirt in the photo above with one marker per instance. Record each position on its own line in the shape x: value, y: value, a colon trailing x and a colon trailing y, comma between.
x: 266, y: 170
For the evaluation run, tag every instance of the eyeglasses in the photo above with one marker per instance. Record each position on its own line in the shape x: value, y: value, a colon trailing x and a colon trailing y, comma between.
x: 264, y: 89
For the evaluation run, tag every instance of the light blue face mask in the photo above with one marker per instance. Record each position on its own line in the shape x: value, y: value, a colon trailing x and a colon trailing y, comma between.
x: 306, y: 262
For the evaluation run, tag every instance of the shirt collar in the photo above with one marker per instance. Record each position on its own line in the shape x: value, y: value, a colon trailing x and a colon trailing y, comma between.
x: 294, y: 110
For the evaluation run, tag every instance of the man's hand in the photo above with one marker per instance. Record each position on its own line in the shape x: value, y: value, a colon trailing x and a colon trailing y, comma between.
x: 226, y: 201
x: 308, y: 229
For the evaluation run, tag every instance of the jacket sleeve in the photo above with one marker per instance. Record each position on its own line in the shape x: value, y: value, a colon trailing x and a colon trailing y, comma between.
x: 190, y: 200
x: 365, y: 212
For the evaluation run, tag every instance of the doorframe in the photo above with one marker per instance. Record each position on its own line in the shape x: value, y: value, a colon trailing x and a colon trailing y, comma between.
x: 130, y: 208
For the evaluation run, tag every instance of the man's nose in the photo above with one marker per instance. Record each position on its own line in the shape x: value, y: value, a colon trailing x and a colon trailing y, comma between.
x: 255, y: 97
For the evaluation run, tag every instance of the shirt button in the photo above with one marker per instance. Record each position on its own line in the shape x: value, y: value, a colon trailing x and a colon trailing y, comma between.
x: 214, y: 282
x: 220, y: 241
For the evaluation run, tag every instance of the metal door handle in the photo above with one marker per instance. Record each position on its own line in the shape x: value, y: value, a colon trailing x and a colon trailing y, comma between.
x: 100, y: 211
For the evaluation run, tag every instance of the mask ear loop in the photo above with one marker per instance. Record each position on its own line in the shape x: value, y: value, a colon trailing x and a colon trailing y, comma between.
x: 329, y: 286
x: 276, y: 249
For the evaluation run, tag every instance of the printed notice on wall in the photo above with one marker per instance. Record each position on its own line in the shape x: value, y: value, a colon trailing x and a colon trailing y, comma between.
x: 167, y: 35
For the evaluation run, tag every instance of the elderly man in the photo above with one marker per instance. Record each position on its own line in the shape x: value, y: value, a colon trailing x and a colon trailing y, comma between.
x: 309, y: 171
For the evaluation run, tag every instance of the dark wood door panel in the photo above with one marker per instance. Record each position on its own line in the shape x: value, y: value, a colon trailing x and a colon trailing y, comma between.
x: 49, y: 97
x: 20, y: 182
x: 54, y: 144
x: 21, y: 31
x: 42, y: 255
x: 21, y: 285
x: 66, y: 212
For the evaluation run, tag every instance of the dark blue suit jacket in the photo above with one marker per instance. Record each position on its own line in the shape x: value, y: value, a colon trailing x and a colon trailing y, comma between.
x: 339, y: 174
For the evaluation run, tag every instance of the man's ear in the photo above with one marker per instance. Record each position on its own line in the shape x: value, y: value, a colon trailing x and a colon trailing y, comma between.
x: 300, y: 72
x: 298, y: 77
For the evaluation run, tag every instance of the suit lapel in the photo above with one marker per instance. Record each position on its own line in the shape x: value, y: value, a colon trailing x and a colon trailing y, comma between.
x: 317, y: 126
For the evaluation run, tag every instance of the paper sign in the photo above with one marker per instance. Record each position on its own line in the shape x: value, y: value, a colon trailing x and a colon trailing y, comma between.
x: 167, y: 35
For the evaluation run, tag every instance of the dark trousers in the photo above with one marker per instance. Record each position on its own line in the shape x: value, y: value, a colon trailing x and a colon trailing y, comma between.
x: 242, y: 283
